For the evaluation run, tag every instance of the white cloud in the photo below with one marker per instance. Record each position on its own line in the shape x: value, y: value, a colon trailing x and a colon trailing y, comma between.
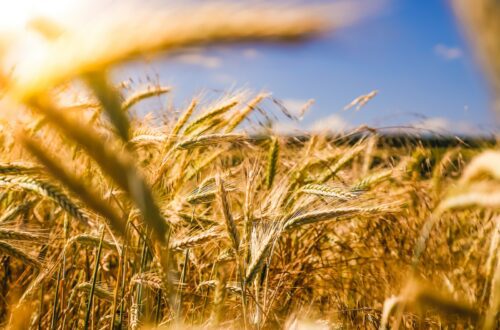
x: 288, y: 128
x: 223, y: 78
x: 333, y: 123
x: 435, y: 124
x: 448, y: 53
x: 209, y: 62
x: 337, y: 124
x: 346, y: 13
x: 250, y: 53
x: 446, y: 126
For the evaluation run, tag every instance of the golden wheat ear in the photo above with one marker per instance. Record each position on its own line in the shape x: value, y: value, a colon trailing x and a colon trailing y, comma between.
x: 140, y: 95
x: 47, y: 189
x: 18, y: 253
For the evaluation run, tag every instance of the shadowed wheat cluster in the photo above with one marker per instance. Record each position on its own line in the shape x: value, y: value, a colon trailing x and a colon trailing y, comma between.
x: 198, y: 219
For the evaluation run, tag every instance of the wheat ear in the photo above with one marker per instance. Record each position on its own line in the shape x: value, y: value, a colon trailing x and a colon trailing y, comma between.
x: 226, y: 212
x: 98, y: 291
x: 210, y: 139
x: 272, y: 162
x: 210, y: 115
x: 144, y: 94
x: 15, y: 211
x: 327, y: 191
x: 13, y: 234
x: 371, y: 180
x: 331, y: 172
x: 319, y: 216
x: 194, y: 241
x: 240, y: 116
x: 48, y: 190
x: 18, y: 254
x: 180, y: 123
x: 17, y: 169
x: 262, y: 248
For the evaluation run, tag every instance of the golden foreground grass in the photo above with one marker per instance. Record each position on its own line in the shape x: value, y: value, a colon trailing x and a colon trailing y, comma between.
x: 114, y: 221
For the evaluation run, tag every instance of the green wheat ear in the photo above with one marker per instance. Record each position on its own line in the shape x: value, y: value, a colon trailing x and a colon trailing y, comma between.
x: 272, y: 162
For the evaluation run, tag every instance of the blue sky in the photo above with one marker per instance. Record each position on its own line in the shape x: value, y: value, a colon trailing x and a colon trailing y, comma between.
x: 412, y: 52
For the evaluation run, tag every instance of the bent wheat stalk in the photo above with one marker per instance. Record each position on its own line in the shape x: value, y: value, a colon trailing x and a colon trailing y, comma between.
x: 194, y: 241
x: 19, y: 254
x: 319, y: 216
x: 48, y: 190
x: 144, y: 94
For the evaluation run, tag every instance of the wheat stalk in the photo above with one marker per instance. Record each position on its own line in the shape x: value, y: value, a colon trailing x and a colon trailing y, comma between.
x: 481, y: 18
x: 191, y: 218
x: 418, y: 295
x: 110, y: 100
x: 487, y: 162
x: 484, y: 199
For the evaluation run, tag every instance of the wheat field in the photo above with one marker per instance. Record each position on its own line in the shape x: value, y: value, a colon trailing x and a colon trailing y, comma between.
x: 203, y: 218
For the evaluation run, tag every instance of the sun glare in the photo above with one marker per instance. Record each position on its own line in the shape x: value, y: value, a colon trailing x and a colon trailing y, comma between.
x: 14, y: 15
